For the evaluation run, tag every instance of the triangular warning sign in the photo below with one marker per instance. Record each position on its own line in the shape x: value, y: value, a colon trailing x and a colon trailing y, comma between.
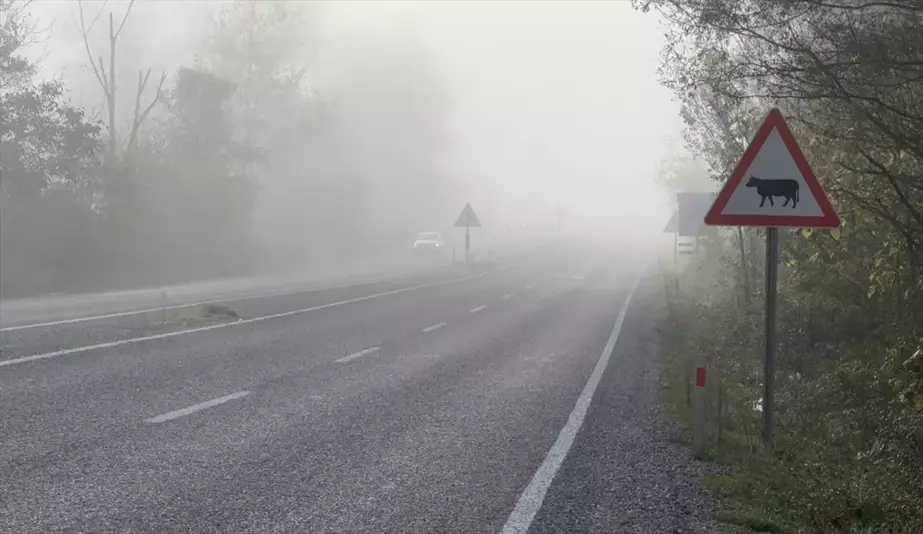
x: 670, y: 228
x: 772, y: 185
x: 467, y: 217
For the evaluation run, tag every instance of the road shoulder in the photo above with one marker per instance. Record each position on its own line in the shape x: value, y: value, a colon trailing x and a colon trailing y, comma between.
x: 628, y: 470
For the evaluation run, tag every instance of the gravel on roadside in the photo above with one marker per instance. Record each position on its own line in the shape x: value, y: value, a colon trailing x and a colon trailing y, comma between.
x: 629, y: 470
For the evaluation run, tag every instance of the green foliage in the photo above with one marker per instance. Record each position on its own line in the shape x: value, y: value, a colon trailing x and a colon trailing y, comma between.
x: 43, y: 141
x: 175, y: 206
x: 849, y: 427
x: 849, y: 419
x: 755, y: 519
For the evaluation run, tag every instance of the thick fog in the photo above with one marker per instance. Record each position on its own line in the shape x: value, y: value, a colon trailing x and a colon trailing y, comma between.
x: 356, y: 125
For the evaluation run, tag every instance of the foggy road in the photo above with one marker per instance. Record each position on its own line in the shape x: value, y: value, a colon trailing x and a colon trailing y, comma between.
x: 420, y: 405
x: 47, y: 310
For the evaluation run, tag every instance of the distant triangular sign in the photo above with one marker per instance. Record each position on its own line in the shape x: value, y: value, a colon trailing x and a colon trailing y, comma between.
x: 670, y: 228
x: 772, y: 185
x: 467, y: 217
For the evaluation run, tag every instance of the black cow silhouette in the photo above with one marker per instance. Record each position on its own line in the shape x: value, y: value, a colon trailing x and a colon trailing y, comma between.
x: 775, y: 187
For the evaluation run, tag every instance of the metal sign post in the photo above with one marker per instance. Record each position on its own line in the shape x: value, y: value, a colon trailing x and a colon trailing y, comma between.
x: 769, y: 358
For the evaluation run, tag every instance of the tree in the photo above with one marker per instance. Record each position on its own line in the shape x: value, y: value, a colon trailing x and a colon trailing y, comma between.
x: 48, y: 161
x: 261, y: 48
x: 848, y: 73
x: 107, y: 79
x: 45, y: 141
x: 16, y: 32
x: 215, y: 191
x: 849, y: 76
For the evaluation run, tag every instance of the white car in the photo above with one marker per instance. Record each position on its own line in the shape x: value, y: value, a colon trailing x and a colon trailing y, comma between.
x: 429, y: 243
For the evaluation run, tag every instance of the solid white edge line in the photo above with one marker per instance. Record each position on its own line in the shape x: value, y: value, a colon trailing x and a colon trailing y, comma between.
x: 433, y: 327
x: 204, y: 302
x: 477, y: 309
x: 507, y: 296
x: 530, y: 501
x: 74, y: 350
x: 196, y: 407
x: 359, y: 354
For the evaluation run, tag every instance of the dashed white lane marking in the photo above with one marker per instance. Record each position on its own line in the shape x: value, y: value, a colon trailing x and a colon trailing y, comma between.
x: 507, y: 296
x: 74, y: 350
x: 530, y: 502
x: 529, y: 287
x: 477, y: 309
x: 196, y: 407
x: 436, y: 326
x: 361, y: 353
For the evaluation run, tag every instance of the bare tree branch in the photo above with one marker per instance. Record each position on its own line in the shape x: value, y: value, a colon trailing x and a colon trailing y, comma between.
x: 104, y: 80
x: 917, y: 216
x: 98, y: 14
x: 86, y: 43
x: 140, y: 116
x: 124, y: 19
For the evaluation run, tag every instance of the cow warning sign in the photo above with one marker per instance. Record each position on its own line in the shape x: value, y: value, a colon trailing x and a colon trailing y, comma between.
x: 772, y: 185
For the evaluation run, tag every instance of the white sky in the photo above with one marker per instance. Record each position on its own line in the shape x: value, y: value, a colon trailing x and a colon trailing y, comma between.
x: 553, y: 101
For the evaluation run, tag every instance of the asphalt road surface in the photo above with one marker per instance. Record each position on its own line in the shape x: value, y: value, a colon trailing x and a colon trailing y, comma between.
x: 427, y: 403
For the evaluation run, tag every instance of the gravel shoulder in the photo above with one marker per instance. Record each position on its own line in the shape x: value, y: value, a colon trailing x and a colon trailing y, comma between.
x: 629, y: 471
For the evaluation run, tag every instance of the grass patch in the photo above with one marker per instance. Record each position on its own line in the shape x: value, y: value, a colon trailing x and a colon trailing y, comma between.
x: 830, y: 470
x: 721, y: 486
x: 755, y: 519
x: 192, y: 317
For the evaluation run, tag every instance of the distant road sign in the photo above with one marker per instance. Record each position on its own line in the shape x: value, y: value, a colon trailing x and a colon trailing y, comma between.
x: 467, y: 217
x: 691, y: 212
x: 772, y: 185
x: 670, y: 228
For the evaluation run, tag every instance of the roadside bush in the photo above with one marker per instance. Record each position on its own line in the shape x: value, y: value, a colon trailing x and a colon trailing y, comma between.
x: 848, y: 454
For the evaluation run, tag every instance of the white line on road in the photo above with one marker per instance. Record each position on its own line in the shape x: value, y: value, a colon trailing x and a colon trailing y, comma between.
x: 204, y: 302
x: 529, y: 287
x: 110, y: 344
x: 436, y: 326
x: 361, y: 353
x: 477, y: 309
x: 507, y: 296
x: 530, y: 502
x: 196, y: 407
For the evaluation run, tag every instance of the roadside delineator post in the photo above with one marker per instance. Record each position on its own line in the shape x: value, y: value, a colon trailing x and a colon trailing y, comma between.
x: 699, y: 420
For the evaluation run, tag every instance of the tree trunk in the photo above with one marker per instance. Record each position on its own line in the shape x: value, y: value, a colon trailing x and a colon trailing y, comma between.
x: 111, y: 96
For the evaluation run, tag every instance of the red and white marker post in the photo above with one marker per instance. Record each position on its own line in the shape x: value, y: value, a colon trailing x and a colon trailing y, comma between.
x: 699, y: 419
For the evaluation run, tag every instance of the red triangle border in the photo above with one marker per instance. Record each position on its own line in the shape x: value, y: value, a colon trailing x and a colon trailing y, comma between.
x: 773, y: 120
